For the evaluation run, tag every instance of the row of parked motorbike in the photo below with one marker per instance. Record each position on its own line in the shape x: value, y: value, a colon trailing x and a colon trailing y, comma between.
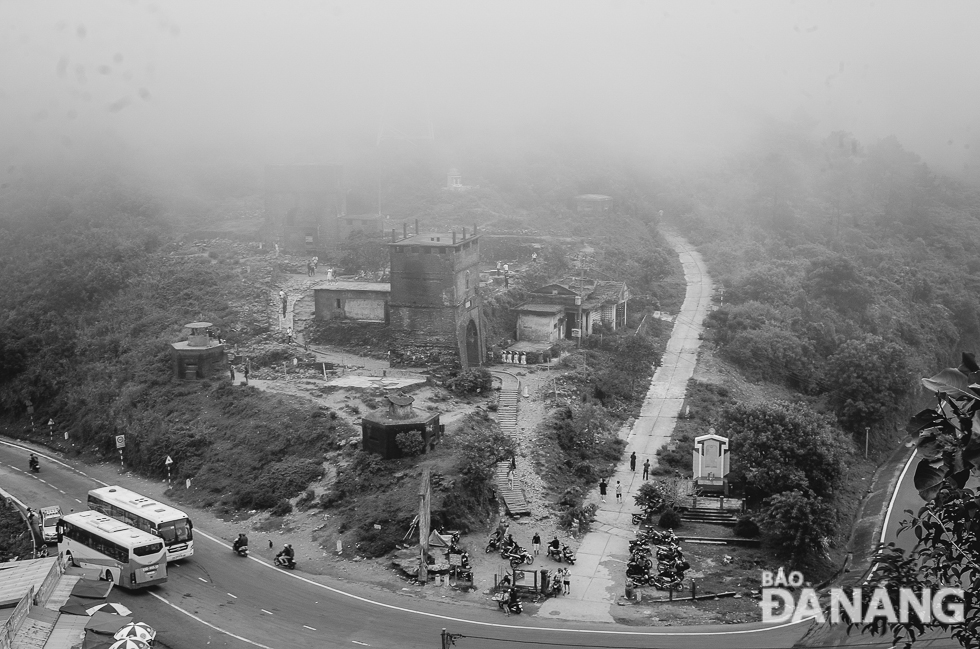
x: 663, y: 567
x: 518, y: 556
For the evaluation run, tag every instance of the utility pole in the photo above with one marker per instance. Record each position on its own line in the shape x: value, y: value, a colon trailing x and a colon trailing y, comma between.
x: 424, y: 497
x: 867, y: 433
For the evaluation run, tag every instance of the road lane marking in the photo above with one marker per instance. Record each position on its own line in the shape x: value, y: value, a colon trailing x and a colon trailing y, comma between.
x: 208, y: 624
x: 363, y: 644
x: 309, y: 627
x: 78, y: 501
x: 42, y: 480
x: 437, y: 616
x: 265, y: 611
x: 50, y: 459
x: 230, y: 595
x: 62, y: 491
x: 203, y: 579
x: 392, y: 607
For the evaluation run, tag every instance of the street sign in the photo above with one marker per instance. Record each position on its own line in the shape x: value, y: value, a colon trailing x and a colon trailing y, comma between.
x: 576, y: 333
x: 169, y: 461
x: 120, y: 441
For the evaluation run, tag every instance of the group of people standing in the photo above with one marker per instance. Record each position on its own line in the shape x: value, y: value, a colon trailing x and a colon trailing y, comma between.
x: 603, y: 485
x: 311, y: 266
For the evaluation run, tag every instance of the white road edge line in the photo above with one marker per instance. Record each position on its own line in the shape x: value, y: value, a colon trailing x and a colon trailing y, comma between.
x: 49, y: 459
x: 392, y: 607
x: 309, y: 627
x: 208, y: 624
x: 891, y: 506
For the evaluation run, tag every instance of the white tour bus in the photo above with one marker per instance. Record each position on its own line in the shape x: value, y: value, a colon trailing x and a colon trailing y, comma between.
x: 172, y: 525
x: 122, y: 554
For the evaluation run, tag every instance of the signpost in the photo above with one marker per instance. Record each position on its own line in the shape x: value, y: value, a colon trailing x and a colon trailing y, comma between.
x: 30, y: 411
x: 51, y: 428
x: 121, y: 444
x: 168, y: 462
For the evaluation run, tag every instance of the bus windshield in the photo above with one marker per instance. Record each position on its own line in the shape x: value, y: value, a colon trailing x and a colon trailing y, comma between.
x: 146, y: 550
x: 175, y: 531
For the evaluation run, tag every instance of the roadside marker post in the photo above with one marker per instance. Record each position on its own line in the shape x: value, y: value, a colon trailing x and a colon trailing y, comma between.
x: 121, y: 444
x: 168, y: 462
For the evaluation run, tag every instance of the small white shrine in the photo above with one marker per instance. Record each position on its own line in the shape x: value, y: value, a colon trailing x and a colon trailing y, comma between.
x: 711, y: 463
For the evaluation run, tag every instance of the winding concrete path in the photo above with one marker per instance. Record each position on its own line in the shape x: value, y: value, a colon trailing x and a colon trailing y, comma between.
x: 598, y: 577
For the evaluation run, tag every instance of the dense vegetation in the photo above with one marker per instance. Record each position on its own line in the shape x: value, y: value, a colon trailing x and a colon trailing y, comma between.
x: 848, y: 269
x: 15, y: 538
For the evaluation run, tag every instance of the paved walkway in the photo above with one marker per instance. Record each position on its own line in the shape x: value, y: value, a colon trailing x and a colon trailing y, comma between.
x: 599, y: 574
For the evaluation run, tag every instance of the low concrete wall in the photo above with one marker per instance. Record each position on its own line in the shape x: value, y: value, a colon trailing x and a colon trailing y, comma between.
x: 12, y: 626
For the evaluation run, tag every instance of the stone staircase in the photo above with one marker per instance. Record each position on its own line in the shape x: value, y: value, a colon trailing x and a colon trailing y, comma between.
x: 510, y: 489
x: 705, y: 515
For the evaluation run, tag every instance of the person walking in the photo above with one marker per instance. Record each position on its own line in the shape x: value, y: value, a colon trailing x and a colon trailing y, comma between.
x: 289, y: 335
x: 536, y: 543
x: 646, y: 469
x: 619, y: 492
x: 602, y: 489
x: 633, y: 461
x: 245, y: 371
x: 231, y: 368
x: 566, y: 581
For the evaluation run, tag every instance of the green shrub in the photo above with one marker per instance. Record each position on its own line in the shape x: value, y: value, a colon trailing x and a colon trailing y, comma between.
x: 746, y: 528
x: 475, y: 381
x: 306, y: 500
x: 281, y: 508
x: 670, y: 519
x: 410, y: 443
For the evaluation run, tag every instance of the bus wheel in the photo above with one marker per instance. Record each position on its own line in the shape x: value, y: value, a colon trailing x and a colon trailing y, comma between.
x: 108, y: 576
x: 70, y: 559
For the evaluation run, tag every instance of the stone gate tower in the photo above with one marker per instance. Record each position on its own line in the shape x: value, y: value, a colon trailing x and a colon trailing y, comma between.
x: 435, y: 305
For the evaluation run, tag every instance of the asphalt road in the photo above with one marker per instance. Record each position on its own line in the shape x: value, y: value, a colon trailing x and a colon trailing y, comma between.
x: 217, y: 592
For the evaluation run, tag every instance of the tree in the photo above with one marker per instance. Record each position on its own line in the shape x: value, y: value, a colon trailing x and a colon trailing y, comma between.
x: 868, y: 378
x: 946, y: 528
x: 655, y: 496
x: 782, y: 446
x: 798, y: 523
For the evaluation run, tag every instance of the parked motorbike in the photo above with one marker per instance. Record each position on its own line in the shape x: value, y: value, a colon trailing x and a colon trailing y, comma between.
x: 661, y: 582
x: 567, y: 555
x: 285, y: 562
x: 493, y: 544
x: 519, y: 555
x: 512, y: 607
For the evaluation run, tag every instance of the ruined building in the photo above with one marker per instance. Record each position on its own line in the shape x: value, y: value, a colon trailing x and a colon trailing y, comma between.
x: 434, y: 308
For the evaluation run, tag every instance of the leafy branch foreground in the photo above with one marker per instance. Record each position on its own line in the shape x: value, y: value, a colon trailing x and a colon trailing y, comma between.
x: 946, y: 553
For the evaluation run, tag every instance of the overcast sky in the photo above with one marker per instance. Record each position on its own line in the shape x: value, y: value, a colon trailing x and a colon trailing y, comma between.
x: 286, y: 80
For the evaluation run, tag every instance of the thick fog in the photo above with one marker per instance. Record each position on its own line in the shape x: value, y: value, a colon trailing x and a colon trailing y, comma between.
x: 291, y: 81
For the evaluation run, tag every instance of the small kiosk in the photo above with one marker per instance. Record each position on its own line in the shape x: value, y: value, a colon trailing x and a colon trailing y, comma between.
x: 199, y: 355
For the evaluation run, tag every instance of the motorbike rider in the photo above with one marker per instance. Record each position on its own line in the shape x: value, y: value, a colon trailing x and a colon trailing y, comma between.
x: 34, y: 463
x: 240, y: 542
x: 512, y: 601
x: 554, y: 546
x: 286, y: 553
